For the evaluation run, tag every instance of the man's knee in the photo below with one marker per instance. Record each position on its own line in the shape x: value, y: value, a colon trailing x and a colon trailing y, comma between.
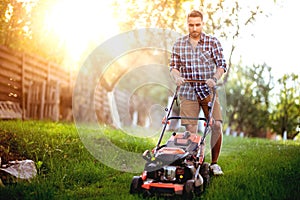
x: 217, y: 126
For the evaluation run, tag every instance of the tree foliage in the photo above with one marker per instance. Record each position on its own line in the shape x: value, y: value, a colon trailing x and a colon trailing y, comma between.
x: 248, y: 99
x: 286, y: 115
x: 23, y: 28
x: 15, y: 22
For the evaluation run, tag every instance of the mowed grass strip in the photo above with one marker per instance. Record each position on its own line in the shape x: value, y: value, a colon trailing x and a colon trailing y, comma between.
x: 254, y: 168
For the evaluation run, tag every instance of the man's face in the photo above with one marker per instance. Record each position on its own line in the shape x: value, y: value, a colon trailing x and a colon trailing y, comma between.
x: 195, y: 25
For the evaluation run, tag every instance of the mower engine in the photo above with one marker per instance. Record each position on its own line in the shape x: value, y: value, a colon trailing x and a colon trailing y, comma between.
x: 170, y: 165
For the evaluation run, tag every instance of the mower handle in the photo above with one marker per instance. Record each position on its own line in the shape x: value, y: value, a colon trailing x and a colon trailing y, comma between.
x: 197, y: 81
x: 191, y: 118
x: 194, y: 81
x: 200, y: 81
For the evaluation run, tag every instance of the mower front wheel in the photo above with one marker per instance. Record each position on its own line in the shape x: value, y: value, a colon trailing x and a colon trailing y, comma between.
x: 205, y: 173
x: 136, y: 185
x: 188, y: 190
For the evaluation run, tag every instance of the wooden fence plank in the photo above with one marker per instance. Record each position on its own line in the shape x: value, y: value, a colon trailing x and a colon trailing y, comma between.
x: 10, y: 66
x: 11, y: 57
x: 32, y: 71
x: 9, y: 51
x: 52, y: 101
x: 9, y: 90
x: 36, y: 99
x: 5, y: 80
x: 9, y: 75
x: 7, y: 97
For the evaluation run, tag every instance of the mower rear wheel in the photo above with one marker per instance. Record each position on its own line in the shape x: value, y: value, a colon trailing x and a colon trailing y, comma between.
x: 136, y: 185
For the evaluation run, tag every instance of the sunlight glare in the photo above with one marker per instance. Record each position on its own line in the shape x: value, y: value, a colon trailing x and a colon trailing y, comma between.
x: 81, y: 24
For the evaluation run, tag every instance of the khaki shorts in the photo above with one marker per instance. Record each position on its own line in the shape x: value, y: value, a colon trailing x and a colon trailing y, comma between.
x: 189, y: 108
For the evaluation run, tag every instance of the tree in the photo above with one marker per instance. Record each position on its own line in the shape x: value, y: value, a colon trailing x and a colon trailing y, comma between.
x: 286, y: 114
x: 15, y: 23
x: 23, y: 29
x: 248, y: 93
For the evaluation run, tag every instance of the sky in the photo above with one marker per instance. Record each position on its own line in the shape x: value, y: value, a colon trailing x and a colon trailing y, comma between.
x: 276, y: 40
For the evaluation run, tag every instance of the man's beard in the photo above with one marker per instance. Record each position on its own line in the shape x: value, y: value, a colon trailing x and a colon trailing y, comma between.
x: 195, y: 34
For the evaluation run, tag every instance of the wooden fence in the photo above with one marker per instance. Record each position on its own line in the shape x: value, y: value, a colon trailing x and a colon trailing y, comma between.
x: 30, y: 86
x: 34, y: 88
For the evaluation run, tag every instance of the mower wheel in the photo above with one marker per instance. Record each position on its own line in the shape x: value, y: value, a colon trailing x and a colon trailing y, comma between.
x: 188, y: 190
x: 136, y: 185
x: 205, y: 173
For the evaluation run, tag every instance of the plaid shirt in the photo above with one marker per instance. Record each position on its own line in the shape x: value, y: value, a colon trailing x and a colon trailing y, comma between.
x: 197, y: 64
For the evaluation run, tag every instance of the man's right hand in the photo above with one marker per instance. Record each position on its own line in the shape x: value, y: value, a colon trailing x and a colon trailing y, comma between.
x: 175, y: 74
x: 179, y: 81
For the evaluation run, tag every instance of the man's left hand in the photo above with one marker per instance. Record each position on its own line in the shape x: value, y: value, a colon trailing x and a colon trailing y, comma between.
x: 211, y: 83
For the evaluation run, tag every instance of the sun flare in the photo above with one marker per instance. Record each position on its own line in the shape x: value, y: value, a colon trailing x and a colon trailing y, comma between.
x: 80, y: 25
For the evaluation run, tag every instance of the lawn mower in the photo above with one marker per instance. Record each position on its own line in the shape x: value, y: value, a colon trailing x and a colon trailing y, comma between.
x: 176, y: 168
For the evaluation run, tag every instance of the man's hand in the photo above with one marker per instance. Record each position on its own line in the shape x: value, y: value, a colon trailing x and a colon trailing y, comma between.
x: 175, y: 74
x: 211, y: 83
x: 179, y: 81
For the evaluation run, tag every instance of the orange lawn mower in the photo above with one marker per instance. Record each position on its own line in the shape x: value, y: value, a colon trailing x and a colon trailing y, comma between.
x: 176, y: 168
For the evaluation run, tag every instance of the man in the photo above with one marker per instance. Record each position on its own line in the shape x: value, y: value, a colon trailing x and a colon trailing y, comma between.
x: 198, y: 56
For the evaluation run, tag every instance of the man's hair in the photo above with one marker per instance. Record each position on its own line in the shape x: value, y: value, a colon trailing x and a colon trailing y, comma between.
x: 195, y: 13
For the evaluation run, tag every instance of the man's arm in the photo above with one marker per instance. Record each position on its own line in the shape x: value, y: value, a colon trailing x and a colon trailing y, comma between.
x: 220, y: 62
x: 175, y: 66
x: 219, y: 73
x: 212, y: 82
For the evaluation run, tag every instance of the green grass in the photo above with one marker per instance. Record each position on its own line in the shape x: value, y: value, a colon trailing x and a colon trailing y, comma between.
x: 254, y: 168
x: 258, y: 169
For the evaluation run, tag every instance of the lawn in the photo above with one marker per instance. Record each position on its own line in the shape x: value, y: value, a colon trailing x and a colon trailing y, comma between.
x: 254, y: 168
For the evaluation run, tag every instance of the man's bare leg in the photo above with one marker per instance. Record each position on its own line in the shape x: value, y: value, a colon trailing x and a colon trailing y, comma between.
x: 216, y: 141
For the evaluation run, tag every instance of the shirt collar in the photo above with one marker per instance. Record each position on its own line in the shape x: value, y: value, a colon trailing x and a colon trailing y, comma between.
x: 187, y: 37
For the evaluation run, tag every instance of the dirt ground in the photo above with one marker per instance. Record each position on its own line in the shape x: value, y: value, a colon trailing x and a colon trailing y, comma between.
x: 9, y: 148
